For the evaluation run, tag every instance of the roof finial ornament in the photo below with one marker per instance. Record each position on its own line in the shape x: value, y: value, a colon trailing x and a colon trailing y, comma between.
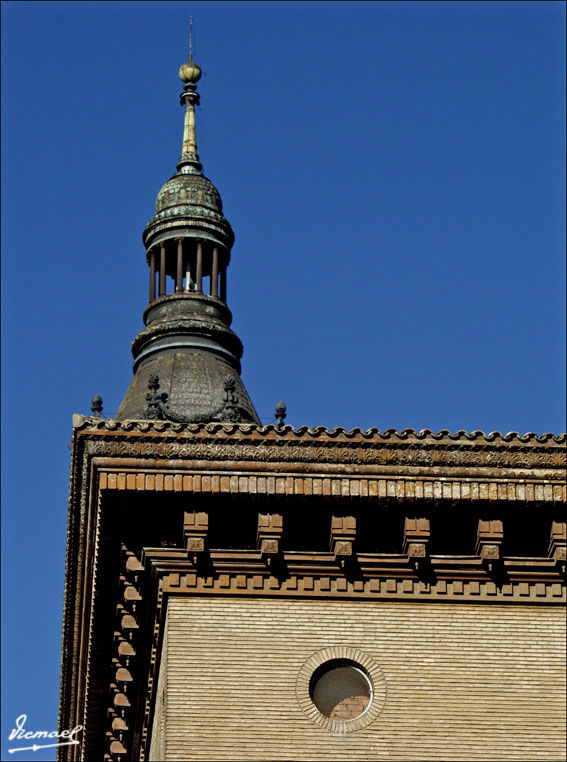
x: 190, y: 74
x: 96, y: 406
x: 281, y: 413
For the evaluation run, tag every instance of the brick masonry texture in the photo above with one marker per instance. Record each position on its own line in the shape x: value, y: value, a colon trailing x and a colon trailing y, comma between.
x: 157, y: 748
x: 463, y: 682
x: 398, y: 487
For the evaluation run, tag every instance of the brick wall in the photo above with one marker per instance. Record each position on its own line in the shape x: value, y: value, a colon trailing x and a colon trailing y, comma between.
x: 460, y: 681
x: 157, y: 747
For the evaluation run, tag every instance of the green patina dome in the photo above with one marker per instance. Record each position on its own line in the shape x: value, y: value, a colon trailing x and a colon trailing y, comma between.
x: 189, y: 200
x: 193, y: 189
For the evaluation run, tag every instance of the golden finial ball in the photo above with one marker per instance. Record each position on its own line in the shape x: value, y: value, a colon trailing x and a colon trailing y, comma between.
x: 190, y: 72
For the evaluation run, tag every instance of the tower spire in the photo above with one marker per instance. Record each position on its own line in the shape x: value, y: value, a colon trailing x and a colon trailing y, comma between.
x: 187, y: 349
x: 190, y: 74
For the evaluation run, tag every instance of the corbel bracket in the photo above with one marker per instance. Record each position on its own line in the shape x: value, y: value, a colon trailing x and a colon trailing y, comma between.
x: 270, y: 530
x: 195, y: 532
x: 417, y: 533
x: 343, y: 535
x: 488, y: 542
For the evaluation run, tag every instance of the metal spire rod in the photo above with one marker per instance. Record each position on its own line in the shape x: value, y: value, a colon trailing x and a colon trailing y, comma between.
x: 189, y: 73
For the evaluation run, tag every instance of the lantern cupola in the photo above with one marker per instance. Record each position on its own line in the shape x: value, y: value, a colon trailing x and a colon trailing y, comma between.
x: 187, y: 347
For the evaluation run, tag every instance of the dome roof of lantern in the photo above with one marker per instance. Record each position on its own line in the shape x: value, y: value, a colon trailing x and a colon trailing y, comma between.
x: 192, y: 190
x: 189, y: 200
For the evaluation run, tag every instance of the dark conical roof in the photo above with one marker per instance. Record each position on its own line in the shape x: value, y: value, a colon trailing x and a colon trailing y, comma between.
x: 188, y: 345
x: 193, y: 383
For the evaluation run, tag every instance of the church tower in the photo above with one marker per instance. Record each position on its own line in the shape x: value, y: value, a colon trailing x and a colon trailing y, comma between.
x: 239, y: 591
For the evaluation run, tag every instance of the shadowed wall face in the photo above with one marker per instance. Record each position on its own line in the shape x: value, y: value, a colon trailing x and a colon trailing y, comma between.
x: 447, y: 681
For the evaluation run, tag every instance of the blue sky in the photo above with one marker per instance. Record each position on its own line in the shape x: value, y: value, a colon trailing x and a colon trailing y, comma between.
x: 394, y: 174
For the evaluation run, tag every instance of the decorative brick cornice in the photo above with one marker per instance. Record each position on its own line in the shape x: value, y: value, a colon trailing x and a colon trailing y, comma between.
x: 400, y: 487
x: 320, y: 449
x: 313, y: 577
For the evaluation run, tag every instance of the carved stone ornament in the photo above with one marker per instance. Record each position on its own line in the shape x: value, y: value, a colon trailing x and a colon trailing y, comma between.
x: 343, y: 548
x: 157, y: 401
x: 417, y: 550
x: 230, y: 411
